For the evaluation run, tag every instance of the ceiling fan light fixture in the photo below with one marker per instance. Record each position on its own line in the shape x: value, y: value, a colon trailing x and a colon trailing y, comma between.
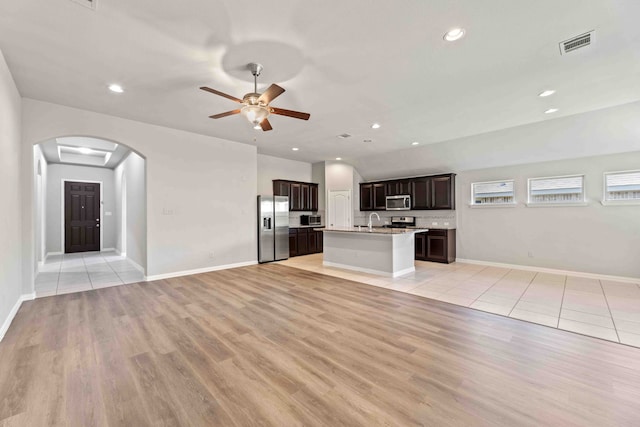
x: 255, y: 114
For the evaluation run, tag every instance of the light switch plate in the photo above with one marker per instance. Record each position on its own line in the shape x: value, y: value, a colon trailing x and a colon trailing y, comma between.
x: 107, y: 214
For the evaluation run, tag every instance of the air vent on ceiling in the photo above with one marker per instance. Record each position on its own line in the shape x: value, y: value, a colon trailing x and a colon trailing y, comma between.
x: 578, y: 42
x: 344, y: 135
x: 91, y: 4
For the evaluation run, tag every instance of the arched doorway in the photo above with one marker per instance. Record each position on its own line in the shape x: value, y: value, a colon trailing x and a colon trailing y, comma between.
x: 90, y: 202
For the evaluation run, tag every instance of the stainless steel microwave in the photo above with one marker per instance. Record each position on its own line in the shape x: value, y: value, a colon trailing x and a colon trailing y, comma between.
x: 398, y: 203
x: 310, y: 220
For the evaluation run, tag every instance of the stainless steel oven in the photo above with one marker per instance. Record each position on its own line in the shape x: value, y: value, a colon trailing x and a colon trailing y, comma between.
x: 398, y: 203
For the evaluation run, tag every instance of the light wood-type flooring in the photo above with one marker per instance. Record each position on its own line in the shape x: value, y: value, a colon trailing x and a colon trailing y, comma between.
x: 604, y: 309
x: 275, y: 345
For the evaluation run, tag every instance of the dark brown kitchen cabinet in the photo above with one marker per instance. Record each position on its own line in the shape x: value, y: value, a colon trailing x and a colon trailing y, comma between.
x: 313, y: 190
x: 427, y: 192
x: 303, y: 196
x: 295, y: 197
x: 436, y: 246
x: 398, y: 188
x: 433, y: 192
x: 443, y: 192
x: 304, y: 241
x: 293, y: 242
x: 281, y: 188
x: 421, y: 193
x: 372, y: 197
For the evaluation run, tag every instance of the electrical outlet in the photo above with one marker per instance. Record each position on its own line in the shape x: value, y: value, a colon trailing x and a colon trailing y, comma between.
x: 530, y: 254
x: 166, y: 211
x: 211, y: 255
x: 446, y: 223
x: 434, y: 223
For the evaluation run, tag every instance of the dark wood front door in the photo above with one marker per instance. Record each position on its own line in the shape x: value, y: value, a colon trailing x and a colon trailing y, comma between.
x: 81, y: 216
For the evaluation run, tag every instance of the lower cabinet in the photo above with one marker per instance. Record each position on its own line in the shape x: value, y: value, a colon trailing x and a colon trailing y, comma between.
x: 304, y: 241
x: 436, y: 246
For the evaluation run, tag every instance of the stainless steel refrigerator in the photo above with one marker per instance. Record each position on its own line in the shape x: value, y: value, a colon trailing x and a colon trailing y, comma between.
x: 273, y: 228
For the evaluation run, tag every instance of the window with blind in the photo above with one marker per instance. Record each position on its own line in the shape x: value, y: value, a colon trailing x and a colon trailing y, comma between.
x: 493, y: 193
x: 557, y: 190
x: 622, y: 186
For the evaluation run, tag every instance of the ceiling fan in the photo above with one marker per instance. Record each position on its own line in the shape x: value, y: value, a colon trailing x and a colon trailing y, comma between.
x: 256, y: 106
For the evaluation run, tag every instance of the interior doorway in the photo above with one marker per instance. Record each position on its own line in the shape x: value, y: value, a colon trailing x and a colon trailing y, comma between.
x: 82, y: 216
x: 339, y: 207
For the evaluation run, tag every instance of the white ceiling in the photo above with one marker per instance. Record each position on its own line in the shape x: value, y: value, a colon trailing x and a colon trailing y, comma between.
x: 348, y: 63
x: 84, y: 151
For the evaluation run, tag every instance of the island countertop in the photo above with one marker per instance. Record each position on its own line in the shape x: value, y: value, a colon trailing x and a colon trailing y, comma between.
x: 374, y: 230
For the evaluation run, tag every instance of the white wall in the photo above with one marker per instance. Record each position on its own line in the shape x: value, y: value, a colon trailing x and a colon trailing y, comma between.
x: 40, y: 168
x: 593, y: 239
x: 270, y: 168
x: 11, y: 247
x: 201, y: 191
x: 54, y: 208
x: 131, y: 172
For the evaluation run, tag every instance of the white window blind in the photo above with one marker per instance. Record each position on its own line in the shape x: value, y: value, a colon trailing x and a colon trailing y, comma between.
x: 560, y: 189
x: 492, y: 193
x: 622, y: 186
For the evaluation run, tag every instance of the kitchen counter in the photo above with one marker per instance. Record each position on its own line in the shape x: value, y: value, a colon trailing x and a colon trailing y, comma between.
x: 319, y: 227
x: 384, y: 251
x: 375, y: 230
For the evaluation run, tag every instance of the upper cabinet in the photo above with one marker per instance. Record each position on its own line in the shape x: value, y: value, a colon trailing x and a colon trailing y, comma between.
x: 427, y: 192
x: 372, y: 197
x: 303, y: 196
x: 398, y: 188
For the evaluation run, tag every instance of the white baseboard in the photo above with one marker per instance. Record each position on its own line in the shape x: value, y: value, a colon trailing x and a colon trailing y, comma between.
x: 136, y: 265
x: 123, y: 254
x: 108, y: 250
x: 551, y: 270
x: 13, y: 312
x: 369, y: 270
x: 50, y: 254
x: 199, y: 270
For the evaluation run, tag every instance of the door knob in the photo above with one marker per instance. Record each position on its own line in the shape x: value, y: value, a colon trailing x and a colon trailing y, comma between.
x: 97, y: 225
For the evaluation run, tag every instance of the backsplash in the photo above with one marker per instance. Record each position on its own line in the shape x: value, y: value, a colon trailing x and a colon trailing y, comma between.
x: 427, y: 219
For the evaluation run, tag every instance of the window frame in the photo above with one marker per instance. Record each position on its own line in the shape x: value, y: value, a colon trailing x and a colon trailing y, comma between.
x: 473, y: 204
x: 605, y: 201
x: 583, y: 202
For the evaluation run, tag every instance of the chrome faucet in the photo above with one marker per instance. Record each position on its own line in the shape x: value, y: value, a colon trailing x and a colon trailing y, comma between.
x: 370, y: 215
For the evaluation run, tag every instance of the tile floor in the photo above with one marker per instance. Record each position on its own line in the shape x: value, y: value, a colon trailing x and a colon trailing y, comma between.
x: 603, y: 309
x: 63, y: 274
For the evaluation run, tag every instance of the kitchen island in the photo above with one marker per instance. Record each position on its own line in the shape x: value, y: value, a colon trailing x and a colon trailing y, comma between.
x: 385, y: 251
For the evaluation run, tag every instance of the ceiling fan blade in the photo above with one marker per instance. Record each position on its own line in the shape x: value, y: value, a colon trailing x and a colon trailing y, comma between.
x: 265, y: 125
x: 271, y: 93
x: 228, y: 113
x: 217, y: 92
x: 290, y: 113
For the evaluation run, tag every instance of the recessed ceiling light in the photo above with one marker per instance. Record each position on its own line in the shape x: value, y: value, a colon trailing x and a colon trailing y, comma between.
x: 375, y: 126
x: 454, y: 34
x: 116, y: 88
x: 338, y: 158
x: 547, y: 93
x: 551, y: 110
x: 257, y: 127
x: 415, y: 143
x: 295, y: 148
